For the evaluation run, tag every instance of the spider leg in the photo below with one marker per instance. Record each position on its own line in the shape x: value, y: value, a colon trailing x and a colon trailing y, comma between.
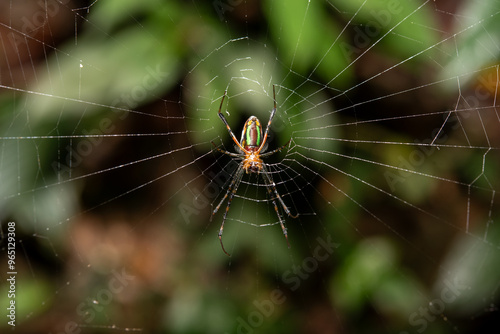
x: 270, y: 183
x: 231, y: 191
x: 271, y: 188
x: 276, y: 150
x: 285, y: 233
x: 264, y: 139
x: 221, y: 116
x: 234, y: 155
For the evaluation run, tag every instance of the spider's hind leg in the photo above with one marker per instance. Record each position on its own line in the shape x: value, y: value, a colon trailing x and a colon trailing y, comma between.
x: 231, y: 191
x: 271, y: 188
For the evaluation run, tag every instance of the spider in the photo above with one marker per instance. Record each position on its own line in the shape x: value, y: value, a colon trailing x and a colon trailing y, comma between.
x: 250, y: 149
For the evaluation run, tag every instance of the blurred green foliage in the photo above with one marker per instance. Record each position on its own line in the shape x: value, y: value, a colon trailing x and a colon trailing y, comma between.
x: 476, y: 46
x: 128, y: 55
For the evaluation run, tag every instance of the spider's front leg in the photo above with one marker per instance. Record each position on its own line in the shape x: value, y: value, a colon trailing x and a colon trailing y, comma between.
x: 234, y: 155
x: 223, y: 119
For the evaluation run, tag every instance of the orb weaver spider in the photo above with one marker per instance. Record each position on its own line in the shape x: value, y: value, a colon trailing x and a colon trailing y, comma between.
x: 250, y: 148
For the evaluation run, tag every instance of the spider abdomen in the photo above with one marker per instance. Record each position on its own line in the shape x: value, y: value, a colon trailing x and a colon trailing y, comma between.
x: 251, y: 136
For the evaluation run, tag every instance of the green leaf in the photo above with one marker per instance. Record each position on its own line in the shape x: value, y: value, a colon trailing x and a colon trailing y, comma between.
x: 476, y: 43
x: 108, y: 14
x: 308, y: 39
x: 398, y: 28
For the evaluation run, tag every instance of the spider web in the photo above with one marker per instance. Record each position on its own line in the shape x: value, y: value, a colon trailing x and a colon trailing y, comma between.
x: 109, y: 174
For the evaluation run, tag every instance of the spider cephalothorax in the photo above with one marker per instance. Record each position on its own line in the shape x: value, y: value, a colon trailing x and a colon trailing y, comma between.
x: 251, y: 147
